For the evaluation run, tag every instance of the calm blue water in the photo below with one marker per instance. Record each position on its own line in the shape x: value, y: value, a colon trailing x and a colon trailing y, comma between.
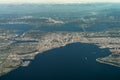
x: 72, y: 27
x: 21, y: 28
x: 67, y: 63
x: 65, y: 27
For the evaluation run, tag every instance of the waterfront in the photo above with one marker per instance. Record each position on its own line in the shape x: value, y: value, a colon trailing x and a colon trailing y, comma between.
x: 74, y: 61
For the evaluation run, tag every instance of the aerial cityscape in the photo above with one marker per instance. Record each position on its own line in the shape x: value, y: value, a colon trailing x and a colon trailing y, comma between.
x: 60, y: 41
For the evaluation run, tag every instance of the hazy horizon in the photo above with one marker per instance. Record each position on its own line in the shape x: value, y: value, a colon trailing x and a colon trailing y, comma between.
x: 58, y: 1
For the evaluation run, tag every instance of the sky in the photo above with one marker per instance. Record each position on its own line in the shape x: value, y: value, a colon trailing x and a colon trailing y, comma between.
x: 55, y: 1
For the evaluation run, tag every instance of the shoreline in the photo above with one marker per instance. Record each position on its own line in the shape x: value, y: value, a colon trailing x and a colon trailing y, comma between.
x: 105, y: 62
x: 59, y: 39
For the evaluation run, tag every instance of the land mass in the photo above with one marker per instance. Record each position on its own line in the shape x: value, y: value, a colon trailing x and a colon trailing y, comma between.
x: 19, y: 51
x: 56, y: 26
